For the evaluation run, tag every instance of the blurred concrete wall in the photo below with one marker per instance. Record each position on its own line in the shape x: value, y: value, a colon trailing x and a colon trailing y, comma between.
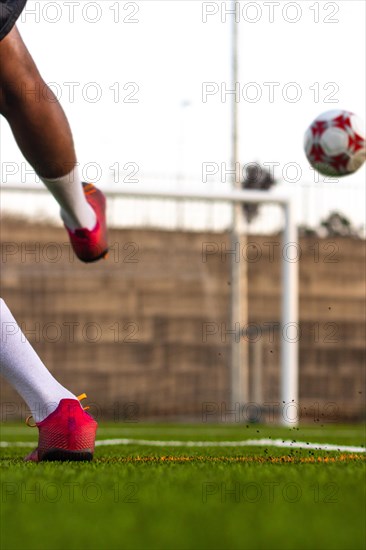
x: 144, y: 333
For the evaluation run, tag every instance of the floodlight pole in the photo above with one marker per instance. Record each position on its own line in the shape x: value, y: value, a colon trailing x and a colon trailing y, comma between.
x: 238, y: 307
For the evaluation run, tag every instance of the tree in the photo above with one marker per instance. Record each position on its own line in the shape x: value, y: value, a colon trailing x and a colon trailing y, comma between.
x: 337, y: 225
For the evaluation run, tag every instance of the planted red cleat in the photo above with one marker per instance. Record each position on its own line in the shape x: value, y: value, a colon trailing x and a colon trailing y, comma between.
x: 66, y: 434
x: 91, y: 245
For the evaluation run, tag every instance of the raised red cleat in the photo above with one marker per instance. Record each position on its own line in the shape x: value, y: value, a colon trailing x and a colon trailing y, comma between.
x: 66, y: 434
x: 90, y: 246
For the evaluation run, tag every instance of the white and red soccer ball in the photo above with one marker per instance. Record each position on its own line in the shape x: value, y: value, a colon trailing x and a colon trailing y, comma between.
x: 335, y: 143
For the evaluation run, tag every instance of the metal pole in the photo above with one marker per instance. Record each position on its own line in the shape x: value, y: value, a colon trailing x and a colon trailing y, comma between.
x: 257, y: 348
x: 290, y: 321
x: 238, y: 317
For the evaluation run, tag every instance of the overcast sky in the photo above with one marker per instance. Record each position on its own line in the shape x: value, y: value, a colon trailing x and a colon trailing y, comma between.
x: 143, y: 85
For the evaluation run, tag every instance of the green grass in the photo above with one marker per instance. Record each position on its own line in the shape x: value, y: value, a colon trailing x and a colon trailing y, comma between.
x: 144, y: 497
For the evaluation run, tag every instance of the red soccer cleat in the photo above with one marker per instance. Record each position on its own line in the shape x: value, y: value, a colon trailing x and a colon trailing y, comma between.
x: 66, y: 434
x: 90, y: 246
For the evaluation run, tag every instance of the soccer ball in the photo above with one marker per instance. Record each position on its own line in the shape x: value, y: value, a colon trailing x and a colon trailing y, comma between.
x: 335, y: 143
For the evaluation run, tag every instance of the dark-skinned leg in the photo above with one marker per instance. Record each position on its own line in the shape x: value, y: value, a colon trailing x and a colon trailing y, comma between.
x: 43, y: 134
x: 36, y: 118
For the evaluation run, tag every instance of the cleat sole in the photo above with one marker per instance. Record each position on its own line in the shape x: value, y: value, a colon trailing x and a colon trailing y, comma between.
x: 64, y: 455
x: 103, y: 255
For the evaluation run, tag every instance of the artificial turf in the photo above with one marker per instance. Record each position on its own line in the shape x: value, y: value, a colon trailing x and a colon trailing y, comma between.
x: 166, y: 497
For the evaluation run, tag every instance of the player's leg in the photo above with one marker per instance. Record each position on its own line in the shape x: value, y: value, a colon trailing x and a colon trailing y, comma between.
x: 51, y: 404
x: 40, y: 128
x: 43, y: 134
x: 24, y: 370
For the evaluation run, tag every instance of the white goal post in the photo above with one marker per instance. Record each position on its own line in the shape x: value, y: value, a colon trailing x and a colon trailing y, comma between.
x: 290, y: 292
x: 289, y: 300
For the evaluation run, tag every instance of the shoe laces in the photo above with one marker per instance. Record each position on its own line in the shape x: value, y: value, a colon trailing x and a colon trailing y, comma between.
x: 89, y: 189
x: 29, y: 418
x: 80, y: 398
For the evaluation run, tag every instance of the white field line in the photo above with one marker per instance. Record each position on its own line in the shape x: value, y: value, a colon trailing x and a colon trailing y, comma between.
x: 247, y: 443
x: 24, y: 430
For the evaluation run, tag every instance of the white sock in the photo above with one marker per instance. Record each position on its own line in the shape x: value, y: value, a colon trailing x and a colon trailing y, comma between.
x: 23, y: 369
x: 76, y: 212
